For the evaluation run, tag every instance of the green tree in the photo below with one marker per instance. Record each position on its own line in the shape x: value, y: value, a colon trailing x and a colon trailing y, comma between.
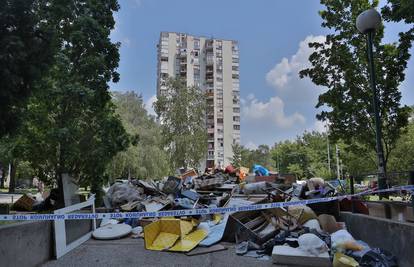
x: 181, y: 110
x: 145, y: 156
x: 246, y: 155
x: 70, y: 125
x: 399, y: 10
x: 236, y: 160
x: 296, y: 169
x: 26, y: 51
x: 290, y: 153
x: 340, y: 65
x: 315, y: 148
x: 403, y: 157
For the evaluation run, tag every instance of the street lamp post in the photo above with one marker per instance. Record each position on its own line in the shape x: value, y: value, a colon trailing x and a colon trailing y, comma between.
x: 367, y: 22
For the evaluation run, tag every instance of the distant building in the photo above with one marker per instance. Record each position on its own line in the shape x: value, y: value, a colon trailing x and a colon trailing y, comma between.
x: 213, y: 66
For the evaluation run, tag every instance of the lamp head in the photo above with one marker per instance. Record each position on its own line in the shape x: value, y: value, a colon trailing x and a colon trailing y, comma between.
x: 369, y: 20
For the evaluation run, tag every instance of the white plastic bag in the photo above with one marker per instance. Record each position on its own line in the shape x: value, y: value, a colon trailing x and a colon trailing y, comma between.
x: 312, y: 244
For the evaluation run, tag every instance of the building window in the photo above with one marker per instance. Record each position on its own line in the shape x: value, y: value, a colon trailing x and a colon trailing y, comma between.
x: 196, y: 44
x: 236, y: 110
x: 219, y: 120
x: 236, y: 118
x: 236, y: 127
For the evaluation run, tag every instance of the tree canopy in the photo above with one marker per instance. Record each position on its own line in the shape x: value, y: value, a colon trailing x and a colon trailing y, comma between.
x: 181, y: 110
x: 340, y: 64
x: 145, y: 156
x: 70, y: 124
x: 26, y: 52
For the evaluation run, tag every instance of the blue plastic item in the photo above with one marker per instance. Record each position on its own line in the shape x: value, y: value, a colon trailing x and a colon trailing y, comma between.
x: 259, y: 170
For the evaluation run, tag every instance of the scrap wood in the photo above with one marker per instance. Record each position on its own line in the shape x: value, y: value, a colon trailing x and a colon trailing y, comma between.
x: 130, y: 206
x: 286, y: 223
x: 205, y: 250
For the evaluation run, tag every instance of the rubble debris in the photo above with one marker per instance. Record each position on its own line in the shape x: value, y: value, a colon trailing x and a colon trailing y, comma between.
x: 305, y: 235
x: 341, y: 260
x: 328, y: 223
x: 312, y: 244
x: 173, y: 235
x: 342, y: 240
x: 313, y: 224
x: 123, y: 193
x: 259, y: 170
x: 256, y: 188
x: 172, y: 185
x: 209, y: 181
x: 24, y: 203
x: 295, y: 256
x: 377, y: 257
x: 189, y: 173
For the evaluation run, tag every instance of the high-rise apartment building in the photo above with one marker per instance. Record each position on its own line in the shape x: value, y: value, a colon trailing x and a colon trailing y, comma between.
x: 213, y: 66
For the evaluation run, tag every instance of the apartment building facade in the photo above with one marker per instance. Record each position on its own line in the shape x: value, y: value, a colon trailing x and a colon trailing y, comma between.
x: 213, y: 66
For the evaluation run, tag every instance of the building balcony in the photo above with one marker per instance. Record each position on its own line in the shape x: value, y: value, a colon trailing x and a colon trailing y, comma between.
x: 209, y: 45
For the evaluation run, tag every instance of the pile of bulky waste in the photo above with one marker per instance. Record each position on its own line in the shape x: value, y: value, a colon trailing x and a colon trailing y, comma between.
x: 303, y: 234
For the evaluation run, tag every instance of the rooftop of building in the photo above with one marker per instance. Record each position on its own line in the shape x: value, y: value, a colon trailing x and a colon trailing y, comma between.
x: 200, y: 36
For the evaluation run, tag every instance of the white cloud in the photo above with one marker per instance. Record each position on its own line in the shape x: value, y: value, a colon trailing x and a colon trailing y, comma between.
x: 250, y: 97
x: 149, y: 105
x: 319, y: 126
x: 291, y: 109
x: 281, y: 74
x: 270, y: 112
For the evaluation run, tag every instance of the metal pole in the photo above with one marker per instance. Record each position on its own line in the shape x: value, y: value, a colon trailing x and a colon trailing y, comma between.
x: 411, y: 182
x: 351, y: 184
x: 382, y: 179
x: 329, y: 156
x: 337, y: 163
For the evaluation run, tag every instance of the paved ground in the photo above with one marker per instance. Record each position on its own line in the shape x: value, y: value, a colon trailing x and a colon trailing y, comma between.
x: 131, y: 252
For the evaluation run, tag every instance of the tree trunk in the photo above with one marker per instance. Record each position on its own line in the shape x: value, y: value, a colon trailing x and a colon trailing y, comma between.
x: 12, y: 184
x: 96, y: 188
x: 61, y: 200
x: 3, y: 176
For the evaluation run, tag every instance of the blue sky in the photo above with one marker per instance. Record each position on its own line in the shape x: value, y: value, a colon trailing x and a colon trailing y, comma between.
x: 272, y: 35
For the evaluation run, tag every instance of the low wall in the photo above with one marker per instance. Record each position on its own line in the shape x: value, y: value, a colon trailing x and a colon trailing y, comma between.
x: 32, y: 243
x: 26, y: 243
x: 396, y: 237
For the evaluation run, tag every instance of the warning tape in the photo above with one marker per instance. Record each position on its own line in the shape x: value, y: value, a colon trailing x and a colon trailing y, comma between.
x: 189, y: 212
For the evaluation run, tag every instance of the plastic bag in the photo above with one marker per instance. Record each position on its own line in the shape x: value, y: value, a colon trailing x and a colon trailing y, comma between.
x: 343, y: 240
x: 313, y: 224
x: 377, y: 257
x: 312, y: 244
x: 341, y: 260
x: 120, y: 193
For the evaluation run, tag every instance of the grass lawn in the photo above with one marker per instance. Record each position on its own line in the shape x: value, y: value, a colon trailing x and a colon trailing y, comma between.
x: 20, y: 191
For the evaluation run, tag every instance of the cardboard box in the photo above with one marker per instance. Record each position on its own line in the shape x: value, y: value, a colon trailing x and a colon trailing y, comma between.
x: 172, y: 235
